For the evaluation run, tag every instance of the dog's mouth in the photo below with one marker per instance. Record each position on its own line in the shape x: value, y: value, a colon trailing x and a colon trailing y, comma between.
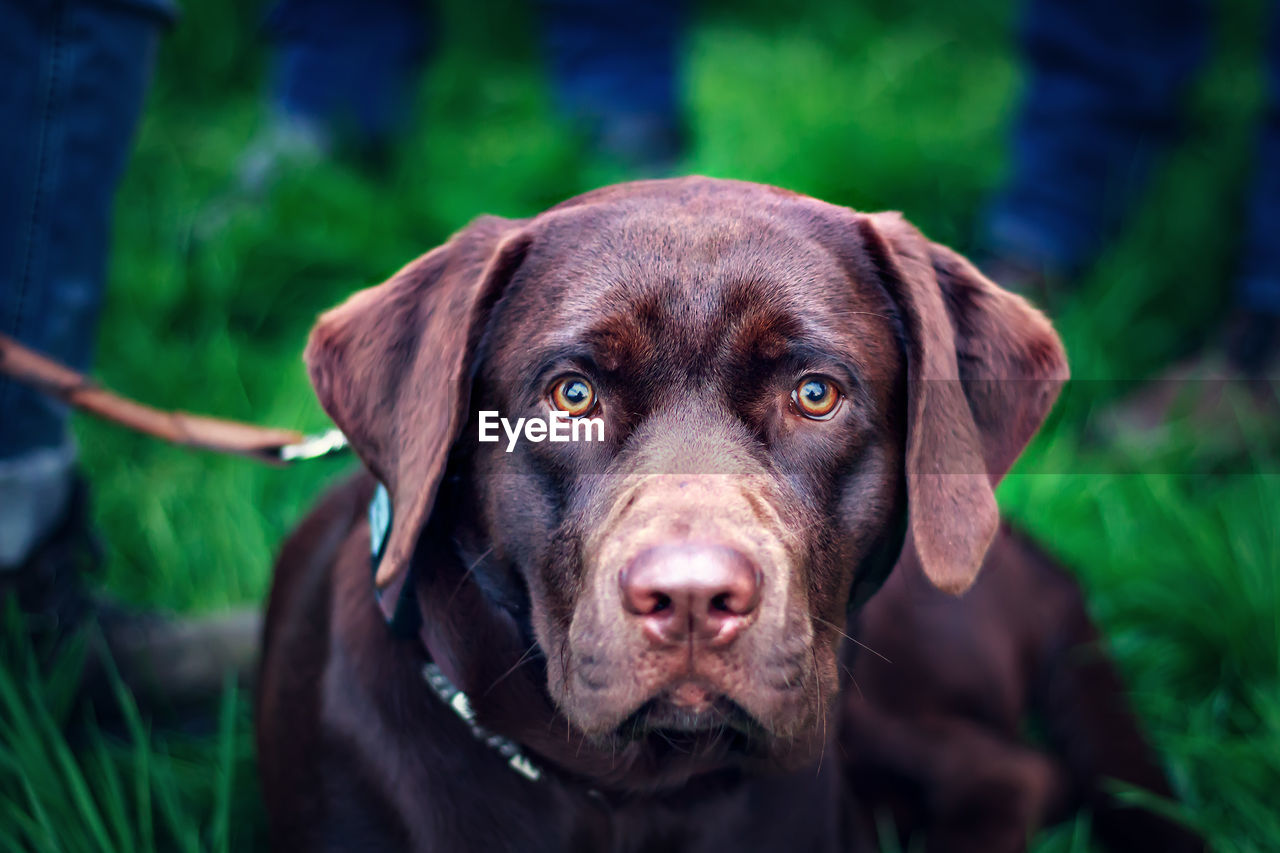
x: 715, y: 724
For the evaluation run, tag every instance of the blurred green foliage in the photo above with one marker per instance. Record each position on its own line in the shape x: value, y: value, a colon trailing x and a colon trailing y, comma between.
x: 873, y: 104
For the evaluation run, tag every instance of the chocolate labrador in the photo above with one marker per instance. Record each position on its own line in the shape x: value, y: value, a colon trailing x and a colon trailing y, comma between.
x: 501, y: 638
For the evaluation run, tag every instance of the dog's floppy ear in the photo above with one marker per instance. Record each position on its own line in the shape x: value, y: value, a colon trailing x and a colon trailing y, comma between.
x: 392, y: 366
x: 983, y: 370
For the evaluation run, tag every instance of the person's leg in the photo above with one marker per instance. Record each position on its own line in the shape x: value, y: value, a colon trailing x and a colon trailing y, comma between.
x: 1105, y: 78
x: 75, y: 74
x: 347, y: 68
x: 342, y: 82
x: 615, y: 67
x: 1255, y: 343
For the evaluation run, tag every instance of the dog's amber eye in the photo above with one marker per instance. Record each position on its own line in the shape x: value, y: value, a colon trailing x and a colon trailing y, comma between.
x: 574, y: 395
x: 816, y: 397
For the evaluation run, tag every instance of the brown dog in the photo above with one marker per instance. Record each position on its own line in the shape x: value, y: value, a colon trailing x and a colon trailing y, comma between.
x: 636, y: 643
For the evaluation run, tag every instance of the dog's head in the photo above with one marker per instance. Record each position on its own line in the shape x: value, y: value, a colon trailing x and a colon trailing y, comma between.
x: 785, y: 387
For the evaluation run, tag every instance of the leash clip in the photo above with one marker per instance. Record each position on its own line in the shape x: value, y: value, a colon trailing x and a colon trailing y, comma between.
x: 316, y: 446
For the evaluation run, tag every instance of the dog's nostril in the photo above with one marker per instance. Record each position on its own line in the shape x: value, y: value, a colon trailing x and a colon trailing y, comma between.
x: 720, y: 602
x: 660, y: 602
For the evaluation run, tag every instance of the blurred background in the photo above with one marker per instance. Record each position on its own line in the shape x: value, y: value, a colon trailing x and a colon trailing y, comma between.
x: 235, y: 224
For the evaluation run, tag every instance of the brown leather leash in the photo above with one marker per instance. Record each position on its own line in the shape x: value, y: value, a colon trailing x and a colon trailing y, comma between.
x: 274, y: 446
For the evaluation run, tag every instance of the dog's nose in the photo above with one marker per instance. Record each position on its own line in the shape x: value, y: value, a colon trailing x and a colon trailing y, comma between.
x: 703, y: 591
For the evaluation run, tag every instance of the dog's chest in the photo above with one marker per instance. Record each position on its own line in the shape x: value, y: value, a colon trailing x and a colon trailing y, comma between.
x: 791, y: 813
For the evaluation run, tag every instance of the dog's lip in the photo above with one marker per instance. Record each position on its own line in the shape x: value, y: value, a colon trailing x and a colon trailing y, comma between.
x: 689, y: 710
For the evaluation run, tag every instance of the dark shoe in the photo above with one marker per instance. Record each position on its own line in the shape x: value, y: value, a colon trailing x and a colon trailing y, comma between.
x: 1223, y: 393
x: 171, y: 665
x: 1253, y: 344
x: 49, y: 585
x: 174, y: 667
x: 285, y: 145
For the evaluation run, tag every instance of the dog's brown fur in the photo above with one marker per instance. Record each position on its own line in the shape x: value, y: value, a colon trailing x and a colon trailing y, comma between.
x: 693, y: 305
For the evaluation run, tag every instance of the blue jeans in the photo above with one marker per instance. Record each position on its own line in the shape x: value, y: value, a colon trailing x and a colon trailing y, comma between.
x: 74, y: 76
x: 1106, y: 80
x: 351, y: 64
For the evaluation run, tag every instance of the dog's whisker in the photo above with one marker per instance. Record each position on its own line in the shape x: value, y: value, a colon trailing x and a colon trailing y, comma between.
x: 467, y: 574
x: 856, y: 642
x: 522, y: 659
x: 852, y: 680
x: 795, y: 533
x: 822, y: 707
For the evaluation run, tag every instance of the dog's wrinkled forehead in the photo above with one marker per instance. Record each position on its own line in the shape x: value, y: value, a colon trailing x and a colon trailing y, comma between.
x: 661, y: 290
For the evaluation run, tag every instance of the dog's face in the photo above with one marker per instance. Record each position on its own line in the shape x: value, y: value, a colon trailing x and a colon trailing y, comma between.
x: 691, y: 571
x: 776, y: 378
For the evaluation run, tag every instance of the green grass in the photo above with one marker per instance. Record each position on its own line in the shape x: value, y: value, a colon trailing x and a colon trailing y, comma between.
x: 70, y: 786
x: 874, y: 104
